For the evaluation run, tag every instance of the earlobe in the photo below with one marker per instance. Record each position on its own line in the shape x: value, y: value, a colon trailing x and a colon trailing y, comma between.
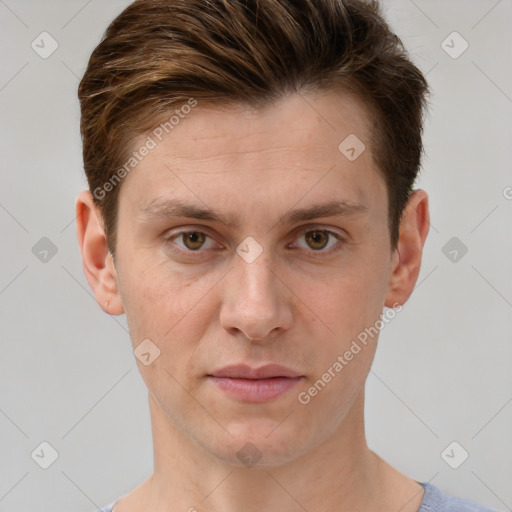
x: 406, y: 262
x: 97, y: 260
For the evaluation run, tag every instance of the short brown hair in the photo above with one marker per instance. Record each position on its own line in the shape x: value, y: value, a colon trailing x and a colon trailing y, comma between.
x: 157, y: 54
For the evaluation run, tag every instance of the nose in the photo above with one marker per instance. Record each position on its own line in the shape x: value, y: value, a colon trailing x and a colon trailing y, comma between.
x: 256, y: 305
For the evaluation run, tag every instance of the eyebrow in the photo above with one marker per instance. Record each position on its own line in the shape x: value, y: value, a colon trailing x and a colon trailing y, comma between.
x: 169, y: 208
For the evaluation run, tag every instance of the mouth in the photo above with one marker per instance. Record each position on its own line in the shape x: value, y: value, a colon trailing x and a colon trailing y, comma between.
x: 255, y: 385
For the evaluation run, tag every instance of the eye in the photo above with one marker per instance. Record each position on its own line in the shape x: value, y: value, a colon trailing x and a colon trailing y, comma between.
x: 320, y: 239
x: 195, y: 242
x: 191, y: 241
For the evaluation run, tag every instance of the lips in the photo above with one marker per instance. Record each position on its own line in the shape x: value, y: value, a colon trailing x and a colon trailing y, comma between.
x: 255, y: 385
x: 268, y: 371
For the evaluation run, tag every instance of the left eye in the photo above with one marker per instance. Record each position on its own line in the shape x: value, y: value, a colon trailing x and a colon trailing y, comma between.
x: 318, y: 239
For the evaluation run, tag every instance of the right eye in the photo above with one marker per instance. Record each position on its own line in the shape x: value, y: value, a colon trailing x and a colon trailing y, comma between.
x: 189, y: 242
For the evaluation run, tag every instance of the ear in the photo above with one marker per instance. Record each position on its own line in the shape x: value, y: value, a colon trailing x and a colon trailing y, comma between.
x: 414, y: 228
x: 97, y: 261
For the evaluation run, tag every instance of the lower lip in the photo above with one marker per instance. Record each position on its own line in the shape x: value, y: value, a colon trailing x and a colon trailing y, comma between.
x: 255, y: 390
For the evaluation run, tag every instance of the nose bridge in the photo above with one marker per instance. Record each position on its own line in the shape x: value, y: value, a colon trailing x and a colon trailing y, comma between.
x: 256, y: 279
x: 255, y: 302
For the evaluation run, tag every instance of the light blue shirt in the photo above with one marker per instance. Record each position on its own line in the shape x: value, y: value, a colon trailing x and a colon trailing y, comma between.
x: 433, y: 500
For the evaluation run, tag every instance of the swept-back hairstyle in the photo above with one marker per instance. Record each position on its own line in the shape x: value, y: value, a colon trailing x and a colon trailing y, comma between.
x: 158, y: 54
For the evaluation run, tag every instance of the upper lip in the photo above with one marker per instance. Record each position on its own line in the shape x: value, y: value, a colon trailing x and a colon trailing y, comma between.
x: 243, y: 371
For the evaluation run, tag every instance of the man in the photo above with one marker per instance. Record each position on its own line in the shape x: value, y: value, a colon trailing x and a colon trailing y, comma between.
x: 251, y: 211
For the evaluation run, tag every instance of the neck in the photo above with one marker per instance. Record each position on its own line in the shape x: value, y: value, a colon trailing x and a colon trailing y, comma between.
x: 340, y: 474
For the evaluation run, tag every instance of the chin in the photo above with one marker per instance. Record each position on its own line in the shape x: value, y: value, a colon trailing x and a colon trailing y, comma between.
x: 261, y: 445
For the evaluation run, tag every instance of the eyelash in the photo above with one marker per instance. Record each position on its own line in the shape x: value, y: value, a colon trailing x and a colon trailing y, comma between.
x: 169, y: 241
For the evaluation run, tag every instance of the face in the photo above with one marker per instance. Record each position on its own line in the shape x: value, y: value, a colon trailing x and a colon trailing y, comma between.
x: 248, y: 238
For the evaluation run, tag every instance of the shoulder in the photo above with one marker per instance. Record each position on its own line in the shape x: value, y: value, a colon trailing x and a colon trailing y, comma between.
x: 435, y: 500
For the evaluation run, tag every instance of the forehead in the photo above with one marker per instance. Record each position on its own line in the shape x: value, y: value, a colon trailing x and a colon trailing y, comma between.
x: 300, y: 121
x: 229, y: 152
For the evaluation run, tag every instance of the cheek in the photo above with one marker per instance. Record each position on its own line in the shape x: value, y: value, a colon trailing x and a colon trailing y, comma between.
x: 350, y: 306
x: 162, y: 303
x: 349, y: 301
x: 173, y: 311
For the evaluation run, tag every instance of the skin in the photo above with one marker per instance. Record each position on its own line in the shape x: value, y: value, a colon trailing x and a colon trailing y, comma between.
x: 298, y: 304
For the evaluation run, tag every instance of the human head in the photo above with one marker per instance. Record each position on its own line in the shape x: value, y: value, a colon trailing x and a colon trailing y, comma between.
x: 158, y: 56
x: 249, y: 159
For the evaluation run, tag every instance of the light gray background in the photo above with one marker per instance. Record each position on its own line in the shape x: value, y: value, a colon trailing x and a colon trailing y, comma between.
x: 442, y: 370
